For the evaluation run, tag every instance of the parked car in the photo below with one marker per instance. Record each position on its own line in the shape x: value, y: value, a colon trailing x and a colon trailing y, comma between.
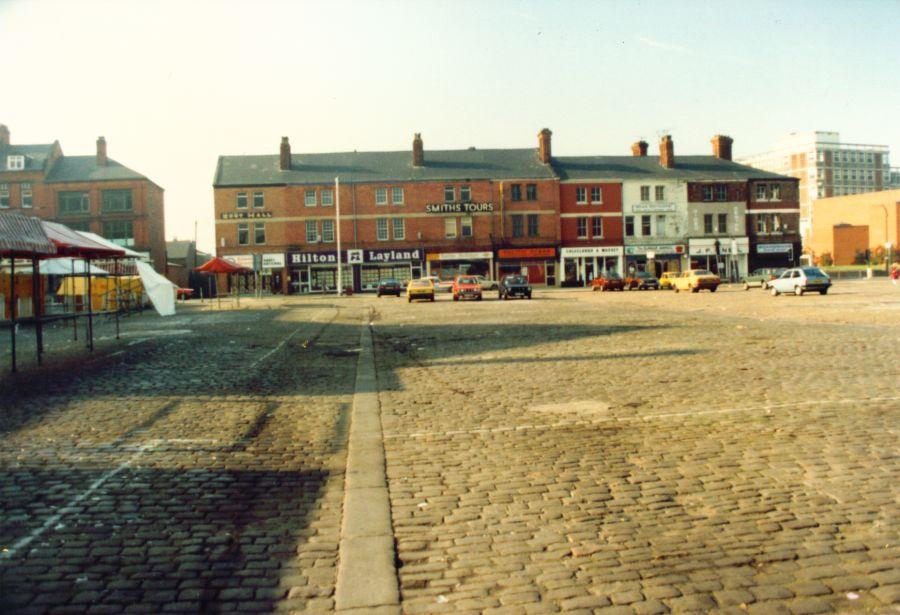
x: 667, y: 278
x: 514, y: 286
x: 696, y: 280
x: 761, y: 277
x: 440, y: 286
x: 389, y: 287
x: 466, y: 287
x: 800, y: 280
x: 420, y: 289
x: 487, y: 284
x: 642, y: 280
x: 609, y: 281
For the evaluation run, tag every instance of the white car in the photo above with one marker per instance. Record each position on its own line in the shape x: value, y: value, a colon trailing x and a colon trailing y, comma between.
x: 800, y: 280
x: 440, y: 286
x: 486, y: 284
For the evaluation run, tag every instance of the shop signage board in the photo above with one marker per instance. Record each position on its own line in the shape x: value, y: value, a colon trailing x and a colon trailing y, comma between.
x: 458, y: 208
x: 773, y: 248
x: 313, y: 258
x: 241, y: 260
x: 658, y: 250
x: 738, y: 245
x: 460, y: 256
x: 354, y: 257
x: 272, y: 261
x: 652, y: 207
x: 243, y: 215
x: 520, y: 253
x: 392, y: 256
x: 591, y: 251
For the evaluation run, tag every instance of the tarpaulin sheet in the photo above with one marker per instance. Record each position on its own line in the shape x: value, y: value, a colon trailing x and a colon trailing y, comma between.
x: 160, y: 290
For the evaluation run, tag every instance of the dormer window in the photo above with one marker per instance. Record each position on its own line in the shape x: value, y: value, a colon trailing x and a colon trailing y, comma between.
x: 15, y: 163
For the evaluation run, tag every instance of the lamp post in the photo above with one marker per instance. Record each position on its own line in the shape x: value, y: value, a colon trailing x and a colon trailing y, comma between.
x: 888, y: 246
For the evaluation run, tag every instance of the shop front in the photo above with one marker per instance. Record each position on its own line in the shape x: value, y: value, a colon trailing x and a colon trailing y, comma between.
x: 724, y: 256
x: 774, y: 255
x: 447, y: 265
x: 537, y: 264
x: 376, y: 265
x: 316, y: 272
x: 580, y: 265
x: 272, y: 272
x: 656, y: 258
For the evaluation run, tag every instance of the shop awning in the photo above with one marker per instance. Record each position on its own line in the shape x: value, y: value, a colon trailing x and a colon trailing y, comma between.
x: 109, y: 244
x: 24, y: 237
x: 70, y: 243
x: 220, y: 265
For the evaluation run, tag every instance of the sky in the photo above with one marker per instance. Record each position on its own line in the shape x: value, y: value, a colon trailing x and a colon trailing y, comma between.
x: 174, y: 85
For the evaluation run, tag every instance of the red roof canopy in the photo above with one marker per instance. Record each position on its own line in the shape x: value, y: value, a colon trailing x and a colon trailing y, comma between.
x: 220, y: 265
x: 23, y: 237
x: 70, y: 243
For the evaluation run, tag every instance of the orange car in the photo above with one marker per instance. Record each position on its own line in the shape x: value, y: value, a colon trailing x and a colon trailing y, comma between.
x: 466, y: 287
x: 610, y: 281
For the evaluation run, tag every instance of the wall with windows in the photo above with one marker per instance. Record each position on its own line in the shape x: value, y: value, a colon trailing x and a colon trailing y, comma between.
x: 718, y: 209
x: 654, y: 212
x: 590, y: 213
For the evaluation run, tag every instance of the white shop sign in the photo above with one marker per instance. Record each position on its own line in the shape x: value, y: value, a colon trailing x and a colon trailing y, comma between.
x: 773, y: 248
x: 460, y: 256
x: 657, y: 249
x: 272, y: 261
x: 652, y: 207
x: 591, y: 251
x: 241, y: 260
x: 739, y: 245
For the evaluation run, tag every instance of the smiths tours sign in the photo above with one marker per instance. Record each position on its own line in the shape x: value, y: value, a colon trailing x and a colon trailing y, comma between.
x: 458, y: 208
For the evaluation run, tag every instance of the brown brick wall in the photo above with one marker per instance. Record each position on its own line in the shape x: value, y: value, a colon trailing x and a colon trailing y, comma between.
x: 847, y: 240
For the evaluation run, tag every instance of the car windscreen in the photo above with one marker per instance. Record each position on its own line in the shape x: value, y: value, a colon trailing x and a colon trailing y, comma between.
x: 515, y: 280
x: 420, y: 283
x: 814, y: 272
x: 467, y: 280
x: 645, y: 274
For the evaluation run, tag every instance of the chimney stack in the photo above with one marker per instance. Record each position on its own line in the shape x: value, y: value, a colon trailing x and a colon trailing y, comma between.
x: 639, y: 148
x: 722, y: 147
x: 667, y: 152
x: 285, y: 157
x: 101, y: 152
x: 4, y: 135
x: 418, y: 151
x: 544, y: 145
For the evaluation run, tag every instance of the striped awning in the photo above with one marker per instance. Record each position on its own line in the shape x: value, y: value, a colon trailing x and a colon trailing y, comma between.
x: 23, y: 237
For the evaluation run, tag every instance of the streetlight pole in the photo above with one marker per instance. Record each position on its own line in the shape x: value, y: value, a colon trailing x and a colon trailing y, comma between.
x: 337, y: 226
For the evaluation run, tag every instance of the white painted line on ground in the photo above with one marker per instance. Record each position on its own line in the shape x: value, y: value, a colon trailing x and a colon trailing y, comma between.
x: 283, y: 342
x: 644, y: 418
x: 23, y: 542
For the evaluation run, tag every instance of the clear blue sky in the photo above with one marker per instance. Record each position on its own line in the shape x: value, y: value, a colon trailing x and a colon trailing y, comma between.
x: 172, y: 85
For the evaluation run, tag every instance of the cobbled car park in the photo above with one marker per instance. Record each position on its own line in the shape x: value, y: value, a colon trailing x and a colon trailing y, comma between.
x: 583, y: 452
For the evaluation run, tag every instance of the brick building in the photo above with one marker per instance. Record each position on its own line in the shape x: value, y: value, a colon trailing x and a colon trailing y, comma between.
x: 560, y: 220
x: 847, y: 225
x: 89, y: 193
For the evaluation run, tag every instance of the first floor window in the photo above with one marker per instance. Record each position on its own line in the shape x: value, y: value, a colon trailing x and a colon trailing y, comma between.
x: 465, y: 194
x: 533, y: 230
x: 596, y: 195
x: 327, y: 231
x: 243, y: 234
x: 120, y: 232
x: 116, y: 200
x: 309, y: 198
x: 312, y: 231
x: 531, y: 192
x: 466, y: 226
x: 399, y: 228
x: 660, y: 226
x: 776, y: 192
x: 597, y: 227
x: 26, y: 196
x: 761, y: 223
x: 518, y: 228
x: 241, y: 200
x: 449, y: 195
x: 381, y: 229
x: 707, y: 224
x: 582, y: 228
x: 258, y: 200
x: 660, y: 193
x: 708, y: 194
x: 327, y: 198
x: 381, y: 196
x: 450, y: 228
x: 397, y: 196
x: 629, y: 226
x: 721, y: 192
x: 4, y: 196
x: 74, y: 203
x: 516, y: 192
x: 645, y: 225
x: 581, y: 194
x: 723, y: 223
x: 259, y: 232
x: 645, y: 193
x: 760, y: 192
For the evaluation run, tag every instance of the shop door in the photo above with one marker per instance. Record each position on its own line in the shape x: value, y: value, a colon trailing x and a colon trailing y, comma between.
x: 415, y: 272
x: 535, y: 274
x: 550, y: 268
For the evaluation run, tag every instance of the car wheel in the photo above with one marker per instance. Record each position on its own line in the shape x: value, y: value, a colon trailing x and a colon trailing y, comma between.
x: 455, y: 298
x: 798, y: 291
x: 696, y: 289
x: 746, y: 286
x: 773, y: 291
x: 528, y: 296
x: 713, y: 289
x: 763, y: 285
x: 824, y: 291
x: 675, y: 288
x: 409, y: 299
x: 478, y: 298
x: 595, y: 289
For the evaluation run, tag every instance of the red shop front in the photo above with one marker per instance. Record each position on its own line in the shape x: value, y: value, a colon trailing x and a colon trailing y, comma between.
x: 538, y: 264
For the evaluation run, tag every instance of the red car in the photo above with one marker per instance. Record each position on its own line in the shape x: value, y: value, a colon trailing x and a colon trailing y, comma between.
x: 610, y: 281
x: 466, y: 287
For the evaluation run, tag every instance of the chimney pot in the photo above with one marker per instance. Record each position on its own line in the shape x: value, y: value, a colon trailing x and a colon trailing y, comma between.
x: 544, y: 150
x: 285, y: 156
x: 639, y: 148
x: 418, y: 151
x: 667, y: 152
x: 722, y: 147
x: 4, y: 135
x: 101, y: 151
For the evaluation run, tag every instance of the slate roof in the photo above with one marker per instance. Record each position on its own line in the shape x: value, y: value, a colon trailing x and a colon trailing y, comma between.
x: 35, y: 156
x: 86, y: 169
x: 697, y: 168
x: 373, y: 167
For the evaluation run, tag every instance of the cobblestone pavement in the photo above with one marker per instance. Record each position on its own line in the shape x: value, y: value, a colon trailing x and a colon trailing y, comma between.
x: 195, y: 466
x: 639, y: 452
x: 645, y: 452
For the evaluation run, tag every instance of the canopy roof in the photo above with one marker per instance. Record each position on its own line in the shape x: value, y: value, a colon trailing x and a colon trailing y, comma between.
x: 220, y: 265
x: 71, y: 243
x: 106, y: 242
x: 23, y: 236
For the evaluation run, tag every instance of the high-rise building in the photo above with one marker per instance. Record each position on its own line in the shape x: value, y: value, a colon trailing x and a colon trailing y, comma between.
x: 826, y: 168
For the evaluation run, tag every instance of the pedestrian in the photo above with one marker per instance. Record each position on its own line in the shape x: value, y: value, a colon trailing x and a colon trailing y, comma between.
x: 895, y: 273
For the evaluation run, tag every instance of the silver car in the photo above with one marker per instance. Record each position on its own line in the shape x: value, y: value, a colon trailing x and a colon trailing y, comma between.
x: 800, y: 280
